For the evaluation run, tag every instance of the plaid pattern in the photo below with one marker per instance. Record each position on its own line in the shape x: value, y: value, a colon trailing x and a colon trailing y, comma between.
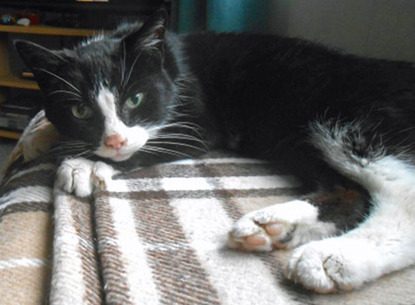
x: 154, y: 236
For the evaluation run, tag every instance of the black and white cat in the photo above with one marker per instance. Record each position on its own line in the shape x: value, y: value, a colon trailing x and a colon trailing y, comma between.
x: 140, y: 96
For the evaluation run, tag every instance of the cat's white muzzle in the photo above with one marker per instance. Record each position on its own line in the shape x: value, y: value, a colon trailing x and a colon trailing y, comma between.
x: 135, y: 138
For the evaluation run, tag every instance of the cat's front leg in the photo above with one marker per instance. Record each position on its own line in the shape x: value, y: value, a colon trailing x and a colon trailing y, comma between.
x: 284, y: 225
x: 80, y: 176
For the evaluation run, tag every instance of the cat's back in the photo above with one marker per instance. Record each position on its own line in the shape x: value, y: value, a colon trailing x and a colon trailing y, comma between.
x: 208, y: 51
x: 289, y: 68
x: 227, y: 62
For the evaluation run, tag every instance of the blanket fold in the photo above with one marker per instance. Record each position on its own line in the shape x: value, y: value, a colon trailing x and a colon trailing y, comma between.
x: 155, y: 236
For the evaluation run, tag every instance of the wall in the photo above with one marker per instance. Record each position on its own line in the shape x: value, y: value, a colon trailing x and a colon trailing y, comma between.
x: 377, y: 28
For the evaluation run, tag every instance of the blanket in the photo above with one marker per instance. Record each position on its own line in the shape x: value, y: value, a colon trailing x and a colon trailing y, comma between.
x: 155, y: 236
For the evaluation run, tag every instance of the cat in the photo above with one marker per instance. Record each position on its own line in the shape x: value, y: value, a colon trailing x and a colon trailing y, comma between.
x: 141, y: 95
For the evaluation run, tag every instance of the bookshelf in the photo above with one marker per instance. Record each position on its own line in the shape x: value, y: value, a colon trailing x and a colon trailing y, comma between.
x: 10, y: 80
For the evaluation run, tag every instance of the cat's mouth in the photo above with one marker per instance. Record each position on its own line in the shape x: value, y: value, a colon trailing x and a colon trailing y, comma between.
x: 121, y: 156
x: 120, y: 146
x: 114, y: 154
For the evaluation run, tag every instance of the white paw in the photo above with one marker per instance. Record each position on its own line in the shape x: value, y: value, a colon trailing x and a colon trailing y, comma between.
x: 334, y: 264
x: 81, y: 176
x: 282, y: 225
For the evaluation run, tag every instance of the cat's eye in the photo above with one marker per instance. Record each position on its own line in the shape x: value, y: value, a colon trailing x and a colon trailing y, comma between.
x: 82, y: 112
x: 134, y: 101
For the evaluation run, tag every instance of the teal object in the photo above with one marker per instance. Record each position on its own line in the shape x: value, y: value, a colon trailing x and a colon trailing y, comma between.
x: 191, y: 16
x: 223, y: 15
x: 238, y: 15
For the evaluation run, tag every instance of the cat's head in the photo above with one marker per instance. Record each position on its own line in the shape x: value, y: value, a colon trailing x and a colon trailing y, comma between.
x: 112, y: 92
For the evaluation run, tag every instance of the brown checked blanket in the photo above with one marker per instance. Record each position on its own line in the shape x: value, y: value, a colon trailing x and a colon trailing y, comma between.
x: 154, y: 236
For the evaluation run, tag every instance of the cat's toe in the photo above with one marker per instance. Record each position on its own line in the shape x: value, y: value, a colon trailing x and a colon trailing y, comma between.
x: 274, y: 227
x: 101, y: 175
x: 334, y: 264
x: 307, y: 268
x: 81, y: 176
x: 255, y: 242
x: 251, y: 235
x: 280, y: 233
x: 73, y: 176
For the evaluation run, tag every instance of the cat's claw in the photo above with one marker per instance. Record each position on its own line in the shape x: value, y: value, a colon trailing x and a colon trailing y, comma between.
x: 81, y: 176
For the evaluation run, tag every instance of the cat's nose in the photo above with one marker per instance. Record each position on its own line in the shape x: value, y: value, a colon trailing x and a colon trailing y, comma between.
x: 115, y: 141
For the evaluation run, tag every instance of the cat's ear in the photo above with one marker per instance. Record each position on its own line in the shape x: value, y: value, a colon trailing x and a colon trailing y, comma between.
x: 151, y: 34
x: 37, y: 57
x: 44, y: 63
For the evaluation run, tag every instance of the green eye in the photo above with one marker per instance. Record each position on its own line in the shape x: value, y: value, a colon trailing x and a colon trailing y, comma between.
x: 82, y: 112
x: 134, y: 101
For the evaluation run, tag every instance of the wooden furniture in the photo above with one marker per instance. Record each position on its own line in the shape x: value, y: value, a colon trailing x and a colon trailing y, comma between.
x: 10, y: 80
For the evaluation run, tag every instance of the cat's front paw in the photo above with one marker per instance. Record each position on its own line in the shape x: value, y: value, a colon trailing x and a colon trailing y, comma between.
x: 81, y: 176
x: 334, y: 264
x: 283, y: 225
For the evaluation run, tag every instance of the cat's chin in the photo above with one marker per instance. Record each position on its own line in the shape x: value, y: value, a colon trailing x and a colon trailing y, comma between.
x: 117, y: 157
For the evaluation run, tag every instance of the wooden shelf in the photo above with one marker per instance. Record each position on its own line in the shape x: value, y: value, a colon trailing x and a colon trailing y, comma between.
x: 9, y: 134
x: 10, y: 80
x: 47, y: 30
x: 14, y: 81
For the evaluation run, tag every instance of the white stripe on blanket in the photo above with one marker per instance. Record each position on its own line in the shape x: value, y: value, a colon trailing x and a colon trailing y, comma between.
x: 257, y: 182
x: 42, y: 166
x: 23, y: 262
x: 25, y: 194
x: 66, y: 280
x: 138, y: 273
x: 206, y: 183
x: 219, y: 161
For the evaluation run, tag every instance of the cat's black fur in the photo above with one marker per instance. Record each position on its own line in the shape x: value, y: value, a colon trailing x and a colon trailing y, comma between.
x: 258, y: 94
x: 255, y: 93
x: 265, y: 90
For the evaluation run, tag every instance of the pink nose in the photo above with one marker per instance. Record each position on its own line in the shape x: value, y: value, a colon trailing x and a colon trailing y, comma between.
x: 115, y: 141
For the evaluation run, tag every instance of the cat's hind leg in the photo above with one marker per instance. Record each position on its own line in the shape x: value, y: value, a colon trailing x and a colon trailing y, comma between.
x: 385, y: 240
x: 383, y: 243
x: 287, y: 225
x: 279, y: 226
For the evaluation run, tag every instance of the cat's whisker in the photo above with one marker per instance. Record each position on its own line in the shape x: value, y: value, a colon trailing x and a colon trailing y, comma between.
x: 177, y: 144
x: 193, y: 127
x: 135, y: 83
x: 74, y: 99
x: 65, y: 92
x: 61, y: 79
x: 132, y: 85
x: 83, y: 154
x: 144, y: 150
x: 73, y: 148
x: 131, y: 69
x: 165, y: 150
x: 52, y: 53
x: 189, y: 125
x: 72, y: 154
x: 123, y: 64
x: 181, y: 137
x: 177, y: 136
x: 69, y: 147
